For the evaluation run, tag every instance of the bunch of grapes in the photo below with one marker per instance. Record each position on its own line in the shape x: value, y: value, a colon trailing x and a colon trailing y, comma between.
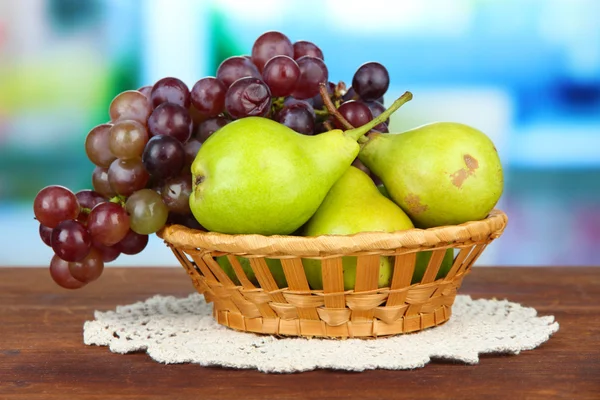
x: 143, y: 154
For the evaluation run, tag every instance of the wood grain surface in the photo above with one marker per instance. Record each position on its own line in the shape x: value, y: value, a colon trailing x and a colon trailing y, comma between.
x: 42, y: 355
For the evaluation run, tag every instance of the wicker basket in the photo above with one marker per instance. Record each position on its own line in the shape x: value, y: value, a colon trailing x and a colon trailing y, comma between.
x: 366, y: 311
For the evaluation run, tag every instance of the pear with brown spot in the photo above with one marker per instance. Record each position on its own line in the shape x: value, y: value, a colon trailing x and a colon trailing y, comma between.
x: 443, y: 173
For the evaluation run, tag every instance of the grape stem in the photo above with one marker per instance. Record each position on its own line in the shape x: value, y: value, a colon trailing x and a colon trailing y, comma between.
x: 118, y: 199
x: 358, y: 133
x: 331, y: 107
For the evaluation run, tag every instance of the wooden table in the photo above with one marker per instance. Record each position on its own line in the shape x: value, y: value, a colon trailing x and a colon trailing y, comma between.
x: 42, y: 355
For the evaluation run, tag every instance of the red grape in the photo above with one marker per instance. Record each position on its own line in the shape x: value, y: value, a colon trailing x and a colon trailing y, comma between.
x: 356, y: 113
x: 312, y: 72
x: 127, y: 139
x: 171, y: 120
x: 127, y: 176
x: 89, y: 269
x: 176, y: 194
x: 163, y: 157
x: 130, y: 105
x: 46, y: 235
x: 132, y: 243
x: 54, y: 204
x: 371, y: 81
x: 281, y: 73
x: 60, y: 273
x: 97, y: 146
x: 235, y: 68
x: 71, y: 241
x: 248, y: 97
x: 170, y: 90
x: 210, y: 126
x: 108, y: 223
x: 109, y: 253
x: 269, y: 45
x: 208, y: 96
x: 100, y: 182
x: 87, y: 199
x: 303, y: 48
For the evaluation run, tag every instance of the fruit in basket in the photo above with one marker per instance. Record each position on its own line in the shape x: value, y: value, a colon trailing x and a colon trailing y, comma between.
x: 274, y: 266
x: 255, y: 175
x: 422, y: 261
x: 442, y: 173
x: 354, y: 204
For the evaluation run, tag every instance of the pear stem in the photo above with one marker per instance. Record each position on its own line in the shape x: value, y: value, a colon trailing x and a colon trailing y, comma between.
x: 331, y: 107
x: 357, y: 133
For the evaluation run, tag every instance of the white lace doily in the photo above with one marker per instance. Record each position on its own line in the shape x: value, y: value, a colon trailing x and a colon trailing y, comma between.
x: 182, y: 330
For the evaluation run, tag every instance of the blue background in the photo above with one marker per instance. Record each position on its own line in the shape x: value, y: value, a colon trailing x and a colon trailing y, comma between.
x: 525, y: 72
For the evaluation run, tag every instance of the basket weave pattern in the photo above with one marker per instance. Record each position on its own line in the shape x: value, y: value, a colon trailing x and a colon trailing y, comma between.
x: 366, y: 311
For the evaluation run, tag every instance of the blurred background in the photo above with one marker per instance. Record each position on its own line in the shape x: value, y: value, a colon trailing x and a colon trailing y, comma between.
x: 526, y: 72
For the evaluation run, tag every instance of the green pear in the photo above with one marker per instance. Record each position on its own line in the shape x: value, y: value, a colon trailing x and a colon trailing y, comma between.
x: 354, y: 204
x: 441, y: 174
x: 423, y: 258
x: 255, y: 175
x: 274, y: 266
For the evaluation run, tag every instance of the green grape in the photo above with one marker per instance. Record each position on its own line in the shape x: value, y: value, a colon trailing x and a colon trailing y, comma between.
x: 147, y: 211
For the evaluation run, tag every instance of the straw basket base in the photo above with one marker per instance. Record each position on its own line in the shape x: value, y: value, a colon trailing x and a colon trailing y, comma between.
x: 255, y: 303
x: 311, y: 328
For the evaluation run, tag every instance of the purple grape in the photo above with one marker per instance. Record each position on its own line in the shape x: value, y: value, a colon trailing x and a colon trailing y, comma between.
x: 382, y: 128
x: 297, y: 118
x: 312, y: 72
x: 318, y: 99
x: 163, y: 157
x: 356, y: 112
x: 248, y: 97
x: 210, y: 126
x: 303, y: 48
x: 146, y: 91
x: 171, y: 120
x: 132, y: 243
x: 109, y: 253
x: 289, y: 101
x: 191, y: 148
x: 281, y: 74
x: 269, y: 45
x: 376, y: 109
x: 235, y: 68
x: 350, y: 95
x: 371, y: 81
x: 176, y: 194
x: 71, y: 241
x: 88, y: 199
x: 170, y: 90
x: 208, y: 96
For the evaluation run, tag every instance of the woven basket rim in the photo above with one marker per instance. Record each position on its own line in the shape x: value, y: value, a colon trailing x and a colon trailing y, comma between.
x: 326, y: 245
